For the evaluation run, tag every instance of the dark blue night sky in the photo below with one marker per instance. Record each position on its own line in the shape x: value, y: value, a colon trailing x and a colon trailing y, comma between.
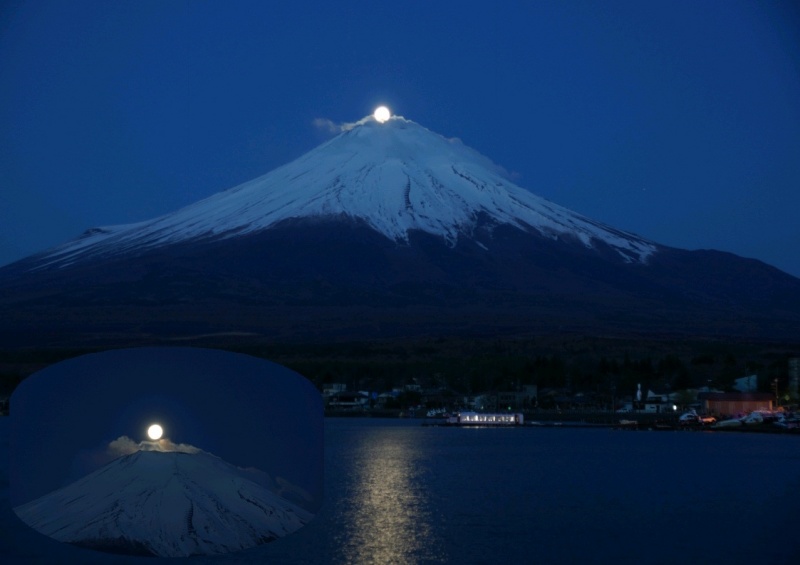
x: 249, y: 412
x: 677, y: 120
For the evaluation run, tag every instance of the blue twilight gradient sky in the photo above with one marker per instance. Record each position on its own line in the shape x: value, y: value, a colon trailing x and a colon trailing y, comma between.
x: 677, y: 120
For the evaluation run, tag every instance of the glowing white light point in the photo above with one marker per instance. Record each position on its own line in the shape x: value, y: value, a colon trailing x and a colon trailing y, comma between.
x: 382, y: 114
x: 155, y: 431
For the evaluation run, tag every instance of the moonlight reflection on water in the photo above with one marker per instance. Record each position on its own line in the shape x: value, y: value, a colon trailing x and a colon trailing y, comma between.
x: 390, y: 510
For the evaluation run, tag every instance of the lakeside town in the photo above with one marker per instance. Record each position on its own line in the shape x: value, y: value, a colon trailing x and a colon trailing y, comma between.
x: 693, y: 408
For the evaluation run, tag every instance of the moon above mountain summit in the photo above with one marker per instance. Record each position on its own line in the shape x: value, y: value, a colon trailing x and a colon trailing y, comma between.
x: 382, y: 114
x: 155, y: 432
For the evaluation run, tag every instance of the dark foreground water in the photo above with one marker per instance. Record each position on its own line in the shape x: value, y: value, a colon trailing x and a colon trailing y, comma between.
x: 397, y: 492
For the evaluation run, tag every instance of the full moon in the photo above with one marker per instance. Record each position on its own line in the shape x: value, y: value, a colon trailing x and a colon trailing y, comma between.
x: 155, y: 431
x: 382, y: 114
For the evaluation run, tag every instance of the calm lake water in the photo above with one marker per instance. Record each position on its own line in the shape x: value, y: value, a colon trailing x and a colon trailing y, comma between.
x: 397, y: 492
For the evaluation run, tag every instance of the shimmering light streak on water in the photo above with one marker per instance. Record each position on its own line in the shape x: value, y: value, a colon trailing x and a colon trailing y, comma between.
x: 389, y: 508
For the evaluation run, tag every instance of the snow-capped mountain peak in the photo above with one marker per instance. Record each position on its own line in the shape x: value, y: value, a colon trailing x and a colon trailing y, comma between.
x: 395, y: 176
x: 166, y: 504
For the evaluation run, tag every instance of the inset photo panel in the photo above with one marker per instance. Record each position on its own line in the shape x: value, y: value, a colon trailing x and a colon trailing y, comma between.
x: 166, y: 451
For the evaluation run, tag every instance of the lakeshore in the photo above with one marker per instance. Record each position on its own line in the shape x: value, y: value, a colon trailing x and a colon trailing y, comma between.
x: 578, y: 419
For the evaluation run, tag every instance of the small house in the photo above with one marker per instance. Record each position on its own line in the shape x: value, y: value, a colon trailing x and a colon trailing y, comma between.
x: 746, y: 384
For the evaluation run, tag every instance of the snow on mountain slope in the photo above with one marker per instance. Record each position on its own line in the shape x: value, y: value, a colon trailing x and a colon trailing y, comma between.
x: 166, y: 504
x: 396, y: 176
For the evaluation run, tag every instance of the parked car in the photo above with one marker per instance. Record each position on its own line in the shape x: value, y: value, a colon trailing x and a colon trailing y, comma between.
x: 693, y: 417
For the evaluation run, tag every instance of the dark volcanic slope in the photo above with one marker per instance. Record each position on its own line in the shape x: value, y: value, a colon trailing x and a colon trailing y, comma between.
x: 340, y: 279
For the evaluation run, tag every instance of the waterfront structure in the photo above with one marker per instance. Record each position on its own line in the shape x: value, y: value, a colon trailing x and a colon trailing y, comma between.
x: 732, y: 403
x: 494, y: 419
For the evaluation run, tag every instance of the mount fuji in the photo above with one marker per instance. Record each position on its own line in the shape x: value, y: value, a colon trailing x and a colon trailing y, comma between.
x: 395, y: 177
x: 165, y: 504
x: 388, y: 230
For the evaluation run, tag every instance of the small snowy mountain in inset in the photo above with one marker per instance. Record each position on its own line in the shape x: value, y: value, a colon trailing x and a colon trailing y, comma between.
x: 165, y: 504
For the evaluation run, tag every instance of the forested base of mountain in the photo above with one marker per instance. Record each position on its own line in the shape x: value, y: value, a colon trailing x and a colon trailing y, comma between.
x: 594, y: 365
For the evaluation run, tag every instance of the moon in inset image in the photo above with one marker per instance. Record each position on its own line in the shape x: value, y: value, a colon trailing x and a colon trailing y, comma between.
x: 155, y: 431
x: 382, y: 114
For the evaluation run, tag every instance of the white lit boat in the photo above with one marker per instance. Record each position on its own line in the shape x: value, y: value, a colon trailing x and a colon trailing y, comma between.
x: 731, y: 423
